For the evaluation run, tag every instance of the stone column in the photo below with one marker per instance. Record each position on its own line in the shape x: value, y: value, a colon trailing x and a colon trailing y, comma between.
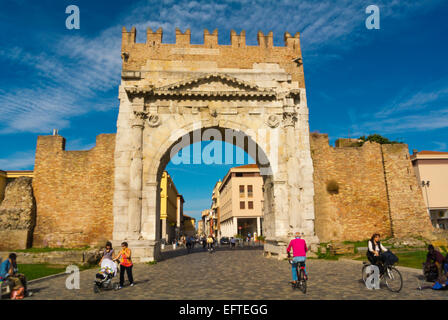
x: 258, y: 227
x: 164, y: 235
x: 235, y: 225
x: 136, y: 176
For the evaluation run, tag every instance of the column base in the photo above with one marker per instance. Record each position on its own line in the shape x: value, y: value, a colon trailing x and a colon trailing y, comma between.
x: 276, y: 248
x: 142, y: 250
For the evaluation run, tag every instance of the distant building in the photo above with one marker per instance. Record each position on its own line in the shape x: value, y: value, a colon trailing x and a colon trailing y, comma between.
x: 171, y: 209
x: 431, y: 169
x: 207, y: 221
x: 215, y: 211
x: 241, y: 201
x: 200, y: 227
x: 189, y: 226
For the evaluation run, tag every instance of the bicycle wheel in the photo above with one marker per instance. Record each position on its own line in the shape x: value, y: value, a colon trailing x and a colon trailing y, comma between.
x: 393, y: 279
x: 302, y: 281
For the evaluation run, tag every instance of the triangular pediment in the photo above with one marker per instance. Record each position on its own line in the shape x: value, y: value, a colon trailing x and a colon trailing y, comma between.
x: 209, y: 80
x: 213, y: 84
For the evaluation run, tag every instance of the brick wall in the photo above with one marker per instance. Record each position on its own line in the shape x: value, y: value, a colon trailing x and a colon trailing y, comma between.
x: 407, y: 206
x: 74, y: 192
x: 361, y: 206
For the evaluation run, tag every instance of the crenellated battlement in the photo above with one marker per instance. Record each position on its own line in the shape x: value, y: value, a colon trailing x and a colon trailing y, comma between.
x: 183, y: 39
x: 210, y: 55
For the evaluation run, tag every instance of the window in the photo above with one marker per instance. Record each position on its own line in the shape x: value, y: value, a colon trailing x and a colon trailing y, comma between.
x: 250, y: 205
x: 250, y: 192
x: 242, y: 206
x: 241, y: 191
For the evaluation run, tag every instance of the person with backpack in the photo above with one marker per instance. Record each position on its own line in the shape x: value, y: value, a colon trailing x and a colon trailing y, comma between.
x: 210, y: 242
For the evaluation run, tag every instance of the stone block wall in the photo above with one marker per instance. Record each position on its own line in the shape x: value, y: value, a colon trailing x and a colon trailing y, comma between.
x: 2, y: 185
x: 360, y: 207
x: 17, y: 215
x: 407, y: 207
x: 377, y: 192
x: 74, y: 192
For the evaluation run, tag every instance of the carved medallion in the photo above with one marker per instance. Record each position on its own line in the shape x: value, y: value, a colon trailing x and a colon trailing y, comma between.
x: 273, y: 121
x: 154, y: 121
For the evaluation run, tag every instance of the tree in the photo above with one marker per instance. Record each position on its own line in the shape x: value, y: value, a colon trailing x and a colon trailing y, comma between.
x: 376, y: 138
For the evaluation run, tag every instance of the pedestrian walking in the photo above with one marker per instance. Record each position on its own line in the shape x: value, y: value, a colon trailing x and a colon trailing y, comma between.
x: 124, y: 256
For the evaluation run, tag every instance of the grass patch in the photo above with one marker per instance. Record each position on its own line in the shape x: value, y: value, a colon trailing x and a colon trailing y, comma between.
x: 47, y: 249
x: 151, y: 262
x: 36, y: 271
x: 325, y: 256
x: 411, y: 259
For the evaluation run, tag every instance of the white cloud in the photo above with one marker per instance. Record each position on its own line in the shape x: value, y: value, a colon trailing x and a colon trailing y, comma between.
x: 70, y: 74
x: 441, y: 146
x: 18, y: 161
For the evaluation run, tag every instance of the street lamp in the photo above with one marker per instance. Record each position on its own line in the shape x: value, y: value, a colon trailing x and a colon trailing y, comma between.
x: 425, y: 185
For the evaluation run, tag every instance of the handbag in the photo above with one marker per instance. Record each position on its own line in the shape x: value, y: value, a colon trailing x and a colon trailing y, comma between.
x: 389, y: 257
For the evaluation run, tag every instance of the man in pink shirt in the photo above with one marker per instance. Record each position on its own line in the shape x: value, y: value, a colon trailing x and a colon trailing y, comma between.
x: 299, y: 250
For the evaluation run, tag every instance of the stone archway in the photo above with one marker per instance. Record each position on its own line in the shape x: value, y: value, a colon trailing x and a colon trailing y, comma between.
x: 164, y: 102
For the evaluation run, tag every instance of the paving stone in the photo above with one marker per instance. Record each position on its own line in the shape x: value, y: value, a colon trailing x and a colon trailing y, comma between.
x: 235, y: 274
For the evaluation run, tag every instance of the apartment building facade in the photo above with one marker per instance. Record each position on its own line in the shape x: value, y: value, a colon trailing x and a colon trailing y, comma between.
x: 431, y: 169
x: 241, y: 202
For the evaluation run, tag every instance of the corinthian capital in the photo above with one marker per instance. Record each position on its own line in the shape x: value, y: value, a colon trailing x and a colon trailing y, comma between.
x: 139, y: 120
x: 289, y: 119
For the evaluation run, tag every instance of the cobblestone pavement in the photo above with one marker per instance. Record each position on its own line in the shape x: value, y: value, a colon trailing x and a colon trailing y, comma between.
x: 234, y: 274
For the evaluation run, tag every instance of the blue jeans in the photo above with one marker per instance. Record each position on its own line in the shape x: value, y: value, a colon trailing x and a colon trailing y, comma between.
x: 296, y: 261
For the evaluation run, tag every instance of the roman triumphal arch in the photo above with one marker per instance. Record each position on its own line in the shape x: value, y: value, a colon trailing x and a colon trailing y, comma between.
x: 172, y: 91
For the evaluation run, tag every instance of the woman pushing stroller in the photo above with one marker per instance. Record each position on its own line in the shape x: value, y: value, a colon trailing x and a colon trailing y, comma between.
x: 103, y: 279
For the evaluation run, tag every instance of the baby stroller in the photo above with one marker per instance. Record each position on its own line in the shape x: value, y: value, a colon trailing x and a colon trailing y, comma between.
x: 103, y: 279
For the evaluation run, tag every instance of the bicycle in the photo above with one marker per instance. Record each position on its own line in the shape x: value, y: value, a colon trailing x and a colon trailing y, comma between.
x: 390, y: 275
x: 301, y: 282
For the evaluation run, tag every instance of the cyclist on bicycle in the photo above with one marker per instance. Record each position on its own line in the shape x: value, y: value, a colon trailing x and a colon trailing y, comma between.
x: 299, y: 250
x: 375, y: 251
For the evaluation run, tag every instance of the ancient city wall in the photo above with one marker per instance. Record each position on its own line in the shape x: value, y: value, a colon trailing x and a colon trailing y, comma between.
x: 359, y: 208
x: 17, y: 215
x: 356, y: 195
x: 407, y: 206
x: 74, y: 192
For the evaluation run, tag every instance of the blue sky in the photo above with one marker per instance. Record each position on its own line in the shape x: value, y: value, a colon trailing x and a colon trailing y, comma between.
x: 392, y: 81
